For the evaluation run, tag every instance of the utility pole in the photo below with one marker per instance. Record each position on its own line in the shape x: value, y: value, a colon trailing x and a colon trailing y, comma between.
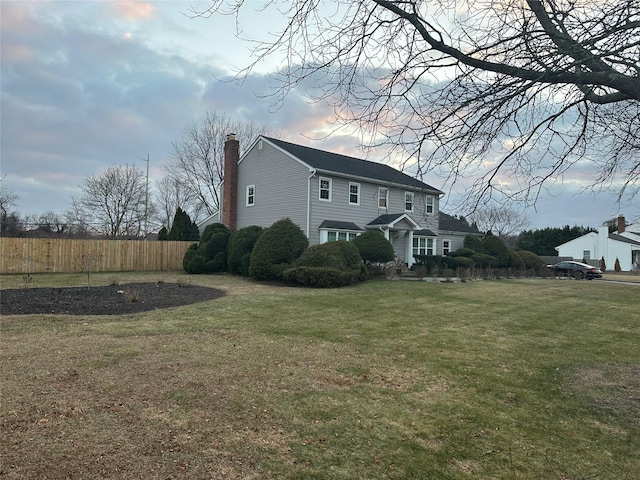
x: 146, y: 201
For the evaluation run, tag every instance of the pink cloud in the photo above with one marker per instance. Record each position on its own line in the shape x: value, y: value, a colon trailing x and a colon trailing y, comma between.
x: 134, y: 10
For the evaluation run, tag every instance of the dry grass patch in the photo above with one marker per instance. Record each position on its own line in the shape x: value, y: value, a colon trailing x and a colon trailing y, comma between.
x: 517, y: 379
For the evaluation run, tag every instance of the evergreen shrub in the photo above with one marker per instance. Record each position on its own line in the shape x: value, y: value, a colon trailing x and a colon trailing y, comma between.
x: 239, y: 249
x: 276, y: 249
x: 373, y: 247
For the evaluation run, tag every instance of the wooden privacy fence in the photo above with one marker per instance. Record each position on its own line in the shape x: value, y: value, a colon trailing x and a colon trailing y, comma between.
x: 55, y: 255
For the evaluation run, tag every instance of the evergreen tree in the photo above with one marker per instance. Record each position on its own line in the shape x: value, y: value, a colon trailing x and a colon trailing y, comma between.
x: 163, y: 234
x: 544, y: 241
x: 182, y: 228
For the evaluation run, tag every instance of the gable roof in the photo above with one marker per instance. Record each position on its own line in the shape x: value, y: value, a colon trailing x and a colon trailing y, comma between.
x: 334, y: 163
x: 389, y: 220
x: 452, y: 224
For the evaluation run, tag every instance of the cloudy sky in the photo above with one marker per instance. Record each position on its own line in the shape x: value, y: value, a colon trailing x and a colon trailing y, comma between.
x: 91, y: 84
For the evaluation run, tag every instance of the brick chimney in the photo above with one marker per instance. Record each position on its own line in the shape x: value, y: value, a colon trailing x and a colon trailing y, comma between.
x: 621, y: 225
x: 230, y: 188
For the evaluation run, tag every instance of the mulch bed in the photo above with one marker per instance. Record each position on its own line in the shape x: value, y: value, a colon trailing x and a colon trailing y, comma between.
x: 103, y: 300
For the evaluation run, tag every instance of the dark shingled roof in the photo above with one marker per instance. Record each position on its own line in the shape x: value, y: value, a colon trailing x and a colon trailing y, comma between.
x: 385, y: 219
x: 620, y: 238
x: 452, y: 224
x: 341, y: 164
x: 425, y: 233
x: 339, y: 225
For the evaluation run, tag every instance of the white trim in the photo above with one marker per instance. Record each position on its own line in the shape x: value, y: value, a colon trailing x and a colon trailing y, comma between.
x: 449, y: 246
x: 426, y: 205
x: 252, y: 196
x: 320, y: 189
x: 355, y: 184
x: 324, y: 234
x: 413, y: 198
x: 386, y: 197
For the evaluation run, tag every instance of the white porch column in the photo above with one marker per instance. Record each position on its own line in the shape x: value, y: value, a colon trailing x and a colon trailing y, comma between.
x: 409, y: 250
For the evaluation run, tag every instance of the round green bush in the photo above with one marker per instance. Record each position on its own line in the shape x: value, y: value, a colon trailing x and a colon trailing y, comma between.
x: 211, y: 229
x: 515, y: 261
x: 278, y: 246
x: 373, y: 247
x: 194, y: 263
x: 332, y: 264
x: 215, y: 251
x: 472, y: 242
x: 495, y: 247
x: 531, y: 261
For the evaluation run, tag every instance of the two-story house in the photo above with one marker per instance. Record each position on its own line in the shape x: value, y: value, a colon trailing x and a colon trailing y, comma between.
x: 330, y: 197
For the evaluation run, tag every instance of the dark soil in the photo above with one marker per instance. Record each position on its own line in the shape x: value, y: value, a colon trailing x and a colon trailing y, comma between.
x: 109, y: 300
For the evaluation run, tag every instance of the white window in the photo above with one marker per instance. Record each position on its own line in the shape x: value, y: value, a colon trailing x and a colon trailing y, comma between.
x: 325, y: 189
x: 586, y: 254
x: 251, y: 195
x: 408, y: 201
x: 429, y: 205
x: 422, y: 246
x: 334, y: 235
x: 446, y: 247
x: 383, y: 193
x: 354, y: 193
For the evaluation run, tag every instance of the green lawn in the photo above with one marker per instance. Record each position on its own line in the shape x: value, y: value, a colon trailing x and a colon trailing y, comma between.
x: 518, y: 379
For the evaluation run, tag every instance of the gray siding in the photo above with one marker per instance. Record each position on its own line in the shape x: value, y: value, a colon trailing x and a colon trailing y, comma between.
x: 339, y: 208
x: 283, y: 189
x: 456, y: 240
x: 280, y: 188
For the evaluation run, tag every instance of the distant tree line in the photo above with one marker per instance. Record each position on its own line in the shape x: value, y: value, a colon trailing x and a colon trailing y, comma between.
x: 544, y: 241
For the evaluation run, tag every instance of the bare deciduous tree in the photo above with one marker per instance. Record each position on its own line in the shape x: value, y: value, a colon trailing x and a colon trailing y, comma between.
x: 198, y: 159
x: 8, y: 197
x: 172, y: 193
x: 112, y: 203
x: 500, y: 220
x: 512, y: 94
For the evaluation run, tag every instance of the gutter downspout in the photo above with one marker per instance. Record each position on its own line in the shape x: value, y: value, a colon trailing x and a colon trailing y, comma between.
x: 313, y: 174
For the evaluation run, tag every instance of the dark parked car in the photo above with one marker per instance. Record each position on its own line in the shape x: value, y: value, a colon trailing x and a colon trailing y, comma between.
x: 576, y: 270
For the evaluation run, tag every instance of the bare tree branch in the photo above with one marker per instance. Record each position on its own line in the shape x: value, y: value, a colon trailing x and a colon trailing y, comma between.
x: 198, y: 160
x: 507, y: 95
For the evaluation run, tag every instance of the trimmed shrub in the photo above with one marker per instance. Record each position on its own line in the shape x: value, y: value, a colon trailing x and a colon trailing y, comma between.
x: 531, y: 261
x: 211, y: 229
x: 215, y: 251
x: 484, y: 260
x: 461, y: 252
x: 324, y: 277
x: 472, y: 242
x: 210, y: 255
x: 373, y: 247
x: 515, y: 262
x: 429, y: 261
x: 239, y: 249
x: 617, y: 266
x: 277, y: 247
x: 495, y: 247
x: 332, y: 264
x: 194, y: 263
x: 457, y: 262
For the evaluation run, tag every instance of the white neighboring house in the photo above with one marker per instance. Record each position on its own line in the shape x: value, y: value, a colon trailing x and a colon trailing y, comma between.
x: 623, y: 245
